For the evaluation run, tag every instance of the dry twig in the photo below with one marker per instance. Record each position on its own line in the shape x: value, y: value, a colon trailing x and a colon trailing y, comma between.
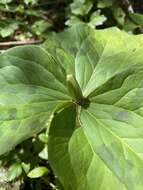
x: 15, y: 43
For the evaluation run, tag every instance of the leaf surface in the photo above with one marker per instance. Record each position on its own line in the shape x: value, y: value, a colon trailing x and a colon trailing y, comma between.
x: 104, y: 149
x: 95, y: 139
x: 32, y: 88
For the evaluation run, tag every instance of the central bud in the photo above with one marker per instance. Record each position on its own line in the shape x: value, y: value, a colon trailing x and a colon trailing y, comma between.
x: 76, y: 92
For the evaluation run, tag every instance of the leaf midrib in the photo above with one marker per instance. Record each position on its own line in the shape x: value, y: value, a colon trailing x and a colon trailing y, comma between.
x: 100, y: 57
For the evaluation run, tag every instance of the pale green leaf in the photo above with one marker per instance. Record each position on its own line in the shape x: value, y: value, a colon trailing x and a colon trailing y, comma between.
x: 26, y: 167
x: 73, y: 20
x: 96, y: 19
x: 44, y: 153
x: 79, y: 8
x: 38, y: 172
x: 40, y: 26
x: 8, y: 29
x: 33, y: 2
x: 43, y: 137
x: 5, y: 1
x: 14, y: 171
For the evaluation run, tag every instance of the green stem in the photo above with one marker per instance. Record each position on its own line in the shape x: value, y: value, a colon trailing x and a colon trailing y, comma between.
x: 74, y: 88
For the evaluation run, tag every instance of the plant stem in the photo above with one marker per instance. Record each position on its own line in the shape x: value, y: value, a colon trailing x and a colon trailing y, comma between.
x: 74, y: 88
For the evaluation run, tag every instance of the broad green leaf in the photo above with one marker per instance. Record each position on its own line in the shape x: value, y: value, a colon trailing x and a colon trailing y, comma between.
x: 87, y: 85
x: 32, y: 88
x: 59, y: 156
x: 38, y: 172
x: 63, y: 49
x: 73, y: 158
x: 100, y: 146
x: 115, y: 149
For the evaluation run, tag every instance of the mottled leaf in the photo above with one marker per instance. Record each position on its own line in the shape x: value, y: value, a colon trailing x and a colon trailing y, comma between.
x: 88, y: 86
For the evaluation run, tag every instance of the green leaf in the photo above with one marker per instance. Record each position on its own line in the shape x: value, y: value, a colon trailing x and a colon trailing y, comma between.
x: 63, y: 49
x: 38, y: 172
x: 88, y: 84
x: 14, y: 172
x: 5, y: 1
x: 59, y: 157
x: 40, y: 26
x: 44, y: 153
x: 96, y: 19
x: 119, y: 15
x: 129, y: 25
x: 73, y: 20
x: 78, y: 8
x: 104, y: 148
x: 105, y: 3
x: 137, y: 18
x: 33, y: 2
x: 43, y: 137
x: 8, y: 29
x: 32, y: 89
x: 26, y: 167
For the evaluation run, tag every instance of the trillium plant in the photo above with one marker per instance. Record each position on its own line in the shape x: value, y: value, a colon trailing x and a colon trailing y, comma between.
x: 88, y: 84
